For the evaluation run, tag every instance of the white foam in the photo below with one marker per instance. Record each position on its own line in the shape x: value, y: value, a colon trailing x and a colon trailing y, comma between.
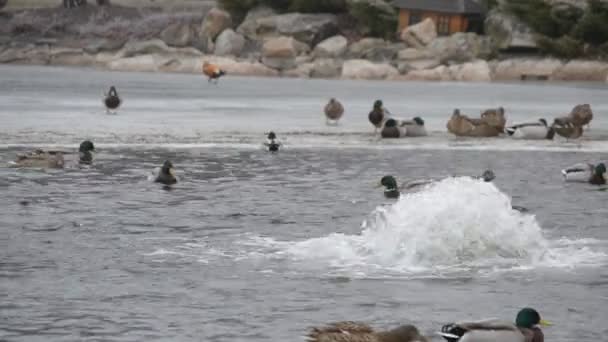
x: 457, y: 224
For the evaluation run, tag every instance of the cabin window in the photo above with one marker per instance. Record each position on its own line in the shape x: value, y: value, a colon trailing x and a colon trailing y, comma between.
x: 415, y: 17
x: 443, y: 25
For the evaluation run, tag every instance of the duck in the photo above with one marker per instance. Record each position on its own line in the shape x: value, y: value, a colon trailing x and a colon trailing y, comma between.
x: 581, y: 114
x: 462, y: 125
x: 586, y: 172
x: 525, y: 329
x: 84, y: 152
x: 40, y: 159
x: 495, y: 118
x: 333, y: 111
x: 164, y: 174
x: 534, y: 130
x: 566, y: 128
x: 111, y: 100
x: 361, y: 332
x: 393, y: 129
x: 392, y: 190
x: 396, y: 128
x: 272, y: 143
x: 415, y: 127
x: 213, y: 72
x: 377, y: 116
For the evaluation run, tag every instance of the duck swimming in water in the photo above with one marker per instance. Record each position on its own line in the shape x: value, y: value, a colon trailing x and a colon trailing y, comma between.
x: 272, y: 143
x: 213, y: 72
x: 84, y: 152
x: 333, y: 111
x: 40, y: 159
x: 525, y: 329
x: 378, y: 115
x: 585, y: 172
x: 165, y: 175
x: 534, y: 130
x: 361, y: 332
x: 111, y: 100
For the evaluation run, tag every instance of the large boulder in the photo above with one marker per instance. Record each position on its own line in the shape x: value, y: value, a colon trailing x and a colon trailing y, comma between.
x: 215, y: 22
x: 476, y: 71
x: 359, y: 48
x: 364, y: 69
x: 249, y: 25
x: 303, y: 70
x: 384, y: 53
x: 420, y: 34
x: 134, y: 48
x: 178, y: 34
x: 229, y: 43
x: 578, y: 70
x: 99, y: 45
x: 331, y: 47
x: 440, y: 73
x: 280, y: 52
x: 411, y: 54
x: 506, y: 31
x: 147, y: 62
x: 326, y: 68
x: 515, y: 69
x: 307, y: 28
x: 460, y: 47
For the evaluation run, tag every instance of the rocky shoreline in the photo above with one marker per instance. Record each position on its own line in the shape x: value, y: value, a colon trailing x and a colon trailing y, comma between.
x: 276, y: 45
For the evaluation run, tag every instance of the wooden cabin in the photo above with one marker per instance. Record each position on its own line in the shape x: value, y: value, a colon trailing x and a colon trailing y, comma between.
x: 450, y: 16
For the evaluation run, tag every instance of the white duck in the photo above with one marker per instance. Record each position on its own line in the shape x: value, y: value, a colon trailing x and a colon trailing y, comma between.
x: 533, y: 130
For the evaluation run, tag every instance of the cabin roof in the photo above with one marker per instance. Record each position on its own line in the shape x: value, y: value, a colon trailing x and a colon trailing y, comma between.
x: 446, y: 6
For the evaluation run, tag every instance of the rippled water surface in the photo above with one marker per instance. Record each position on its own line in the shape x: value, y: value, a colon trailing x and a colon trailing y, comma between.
x: 251, y: 246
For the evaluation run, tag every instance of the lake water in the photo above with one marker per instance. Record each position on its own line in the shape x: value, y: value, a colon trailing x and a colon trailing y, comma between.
x: 252, y: 246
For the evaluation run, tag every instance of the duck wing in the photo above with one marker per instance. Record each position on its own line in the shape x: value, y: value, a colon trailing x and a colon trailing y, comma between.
x: 481, y: 331
x: 343, y: 332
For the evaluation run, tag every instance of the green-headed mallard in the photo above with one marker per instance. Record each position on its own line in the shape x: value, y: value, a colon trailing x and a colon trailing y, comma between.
x: 272, y: 143
x: 333, y: 111
x: 164, y: 174
x: 525, y: 329
x: 599, y: 176
x: 397, y: 128
x: 533, y: 130
x: 378, y: 115
x: 84, y: 152
x: 111, y: 100
x: 587, y: 173
x: 361, y: 332
x: 391, y: 190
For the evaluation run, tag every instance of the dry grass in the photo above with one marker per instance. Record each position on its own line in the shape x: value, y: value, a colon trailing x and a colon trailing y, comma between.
x: 169, y: 4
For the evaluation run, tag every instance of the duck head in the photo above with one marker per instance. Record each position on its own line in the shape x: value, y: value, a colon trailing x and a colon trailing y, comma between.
x: 167, y: 168
x: 488, y: 175
x: 543, y: 121
x: 378, y: 104
x: 85, y: 149
x: 600, y: 170
x: 528, y: 318
x: 456, y: 112
x: 418, y: 120
x: 271, y: 136
x: 389, y: 182
x: 390, y: 123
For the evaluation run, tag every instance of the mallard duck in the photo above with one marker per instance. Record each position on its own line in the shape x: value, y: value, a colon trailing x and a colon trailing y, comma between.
x: 525, y: 329
x: 393, y: 129
x: 495, y: 118
x: 581, y: 114
x: 111, y: 100
x: 164, y: 174
x: 533, y: 130
x: 378, y: 115
x: 40, y: 159
x: 213, y: 72
x: 333, y: 111
x: 396, y: 128
x: 272, y: 143
x: 566, y: 128
x: 84, y: 152
x: 361, y: 332
x: 415, y: 127
x: 585, y: 172
x: 391, y: 190
x: 462, y: 125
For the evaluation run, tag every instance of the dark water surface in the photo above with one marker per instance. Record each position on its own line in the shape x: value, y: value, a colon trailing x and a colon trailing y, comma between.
x: 251, y: 246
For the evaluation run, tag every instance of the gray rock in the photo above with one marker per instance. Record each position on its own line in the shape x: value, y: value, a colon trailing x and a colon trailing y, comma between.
x: 280, y: 63
x: 100, y: 45
x: 133, y: 48
x: 384, y: 53
x: 423, y: 64
x: 460, y: 47
x: 360, y: 48
x: 506, y: 31
x: 301, y: 71
x: 249, y: 25
x: 215, y: 22
x: 410, y: 54
x: 177, y: 34
x: 307, y: 28
x: 229, y: 43
x: 363, y: 69
x: 420, y: 34
x: 331, y: 47
x: 326, y: 68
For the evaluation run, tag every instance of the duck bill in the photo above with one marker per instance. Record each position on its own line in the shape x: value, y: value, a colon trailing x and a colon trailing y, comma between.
x: 545, y: 323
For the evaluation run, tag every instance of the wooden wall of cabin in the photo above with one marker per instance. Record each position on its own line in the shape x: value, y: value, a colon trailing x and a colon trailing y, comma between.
x: 457, y: 22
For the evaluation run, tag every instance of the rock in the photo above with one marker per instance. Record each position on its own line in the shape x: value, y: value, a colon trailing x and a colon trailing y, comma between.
x: 476, y: 71
x: 506, y: 31
x: 70, y: 56
x: 307, y: 28
x: 518, y: 68
x: 133, y: 48
x: 35, y: 55
x: 360, y: 48
x: 301, y: 71
x: 422, y: 64
x: 177, y: 34
x: 460, y: 47
x: 364, y: 69
x: 420, y: 34
x: 249, y: 25
x: 440, y: 73
x: 411, y: 54
x: 215, y: 22
x: 280, y: 52
x: 326, y: 68
x: 229, y: 43
x: 233, y: 67
x: 147, y: 62
x: 331, y: 47
x: 384, y: 53
x: 99, y: 45
x: 578, y: 70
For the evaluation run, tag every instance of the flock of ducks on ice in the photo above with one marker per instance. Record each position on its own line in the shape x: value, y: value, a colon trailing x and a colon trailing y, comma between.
x: 492, y: 123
